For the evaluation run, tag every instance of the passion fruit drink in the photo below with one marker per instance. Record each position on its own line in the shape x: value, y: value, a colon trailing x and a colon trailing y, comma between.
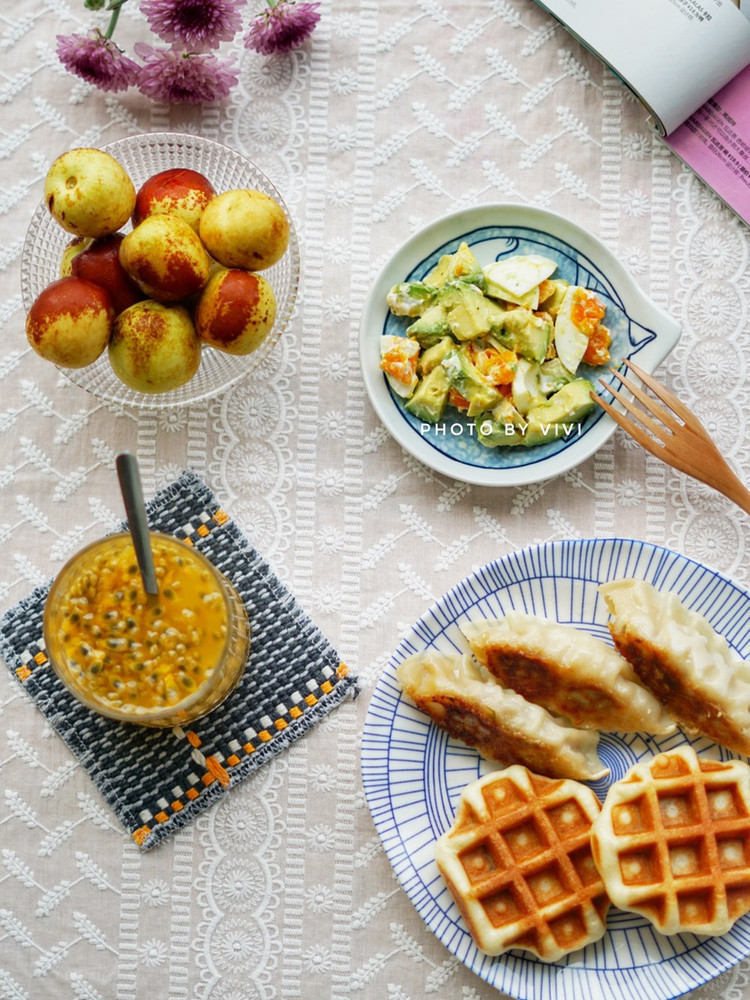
x: 156, y: 660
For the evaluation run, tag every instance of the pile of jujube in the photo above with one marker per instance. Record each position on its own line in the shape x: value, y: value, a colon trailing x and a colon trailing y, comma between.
x: 184, y: 276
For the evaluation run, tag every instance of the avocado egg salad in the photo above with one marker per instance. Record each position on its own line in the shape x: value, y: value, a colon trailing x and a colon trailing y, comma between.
x: 501, y: 344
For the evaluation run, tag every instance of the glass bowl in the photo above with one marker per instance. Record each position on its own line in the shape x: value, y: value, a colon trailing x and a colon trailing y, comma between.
x: 142, y: 156
x: 160, y: 660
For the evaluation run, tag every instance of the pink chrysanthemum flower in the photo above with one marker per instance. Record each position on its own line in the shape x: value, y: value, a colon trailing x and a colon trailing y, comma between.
x: 97, y: 60
x: 197, y: 25
x: 175, y: 77
x: 282, y: 26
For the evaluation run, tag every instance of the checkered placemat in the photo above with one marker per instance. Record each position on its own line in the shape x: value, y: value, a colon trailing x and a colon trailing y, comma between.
x: 157, y: 780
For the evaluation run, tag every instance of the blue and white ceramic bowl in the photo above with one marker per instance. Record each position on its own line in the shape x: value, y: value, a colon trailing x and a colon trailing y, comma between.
x: 640, y: 330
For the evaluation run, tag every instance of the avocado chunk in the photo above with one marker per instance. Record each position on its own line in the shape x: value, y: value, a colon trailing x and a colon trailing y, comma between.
x: 551, y: 302
x: 470, y: 313
x: 434, y: 355
x: 410, y: 298
x: 553, y: 375
x: 560, y: 415
x: 430, y: 397
x: 468, y: 316
x: 523, y: 332
x: 452, y: 266
x: 504, y: 427
x: 470, y: 383
x: 430, y: 327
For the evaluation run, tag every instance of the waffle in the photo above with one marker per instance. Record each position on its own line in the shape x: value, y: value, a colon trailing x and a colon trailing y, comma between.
x: 672, y: 842
x: 518, y: 863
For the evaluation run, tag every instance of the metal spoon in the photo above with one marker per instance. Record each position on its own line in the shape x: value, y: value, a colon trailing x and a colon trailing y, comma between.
x: 135, y: 508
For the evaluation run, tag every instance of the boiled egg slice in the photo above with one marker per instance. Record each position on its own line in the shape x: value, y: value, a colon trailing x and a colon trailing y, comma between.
x: 517, y: 279
x: 525, y: 389
x: 398, y: 359
x: 570, y: 341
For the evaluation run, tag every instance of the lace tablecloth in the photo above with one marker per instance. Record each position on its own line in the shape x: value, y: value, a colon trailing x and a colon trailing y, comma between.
x: 392, y: 115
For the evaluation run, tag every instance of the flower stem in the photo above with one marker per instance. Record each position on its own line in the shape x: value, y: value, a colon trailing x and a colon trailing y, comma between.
x: 115, y: 6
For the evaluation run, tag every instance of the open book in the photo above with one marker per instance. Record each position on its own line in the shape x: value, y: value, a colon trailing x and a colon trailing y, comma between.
x: 688, y: 61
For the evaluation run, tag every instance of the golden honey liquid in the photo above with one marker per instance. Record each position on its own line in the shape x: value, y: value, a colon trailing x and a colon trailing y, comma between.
x: 130, y: 653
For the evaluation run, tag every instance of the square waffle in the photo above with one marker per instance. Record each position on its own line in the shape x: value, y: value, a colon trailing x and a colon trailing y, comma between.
x: 672, y: 842
x: 517, y: 861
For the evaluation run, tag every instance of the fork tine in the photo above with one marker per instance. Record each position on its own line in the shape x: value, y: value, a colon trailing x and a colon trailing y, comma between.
x: 651, y: 406
x: 664, y: 434
x: 664, y: 394
x: 637, y: 433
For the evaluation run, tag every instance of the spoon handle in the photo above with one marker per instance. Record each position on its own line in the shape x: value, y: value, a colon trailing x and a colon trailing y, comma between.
x: 135, y: 508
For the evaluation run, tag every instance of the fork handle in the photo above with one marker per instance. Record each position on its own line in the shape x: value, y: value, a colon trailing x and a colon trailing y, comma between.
x: 735, y: 491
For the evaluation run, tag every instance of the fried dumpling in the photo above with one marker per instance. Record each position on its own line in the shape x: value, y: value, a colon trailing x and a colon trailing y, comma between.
x: 568, y: 671
x: 462, y: 698
x: 688, y: 666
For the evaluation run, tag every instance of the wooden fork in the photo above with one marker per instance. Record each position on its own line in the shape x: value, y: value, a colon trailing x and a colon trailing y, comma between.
x: 682, y: 443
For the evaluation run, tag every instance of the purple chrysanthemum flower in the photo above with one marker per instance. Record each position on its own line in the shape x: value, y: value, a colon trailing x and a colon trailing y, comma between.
x: 97, y: 60
x: 197, y: 25
x: 282, y: 26
x: 175, y: 77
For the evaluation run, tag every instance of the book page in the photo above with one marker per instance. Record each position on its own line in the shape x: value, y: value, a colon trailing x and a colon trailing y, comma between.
x: 673, y: 54
x: 715, y: 142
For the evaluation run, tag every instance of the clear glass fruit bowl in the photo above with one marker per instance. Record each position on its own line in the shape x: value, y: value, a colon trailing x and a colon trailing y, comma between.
x: 142, y: 156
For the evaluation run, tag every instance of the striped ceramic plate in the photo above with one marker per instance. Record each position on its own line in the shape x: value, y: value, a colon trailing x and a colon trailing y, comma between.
x: 413, y: 773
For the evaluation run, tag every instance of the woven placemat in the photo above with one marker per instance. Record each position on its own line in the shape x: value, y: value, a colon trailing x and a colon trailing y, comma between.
x: 157, y: 780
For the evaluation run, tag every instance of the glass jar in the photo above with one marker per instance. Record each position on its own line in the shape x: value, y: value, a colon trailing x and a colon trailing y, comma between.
x: 160, y: 660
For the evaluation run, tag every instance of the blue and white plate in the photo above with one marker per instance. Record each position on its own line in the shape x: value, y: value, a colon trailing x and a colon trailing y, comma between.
x: 640, y: 330
x: 413, y: 773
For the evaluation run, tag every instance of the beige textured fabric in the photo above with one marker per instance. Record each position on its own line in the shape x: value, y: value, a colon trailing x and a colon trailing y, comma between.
x: 393, y: 115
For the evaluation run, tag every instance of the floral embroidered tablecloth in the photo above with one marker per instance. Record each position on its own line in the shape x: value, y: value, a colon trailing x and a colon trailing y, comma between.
x: 389, y: 116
